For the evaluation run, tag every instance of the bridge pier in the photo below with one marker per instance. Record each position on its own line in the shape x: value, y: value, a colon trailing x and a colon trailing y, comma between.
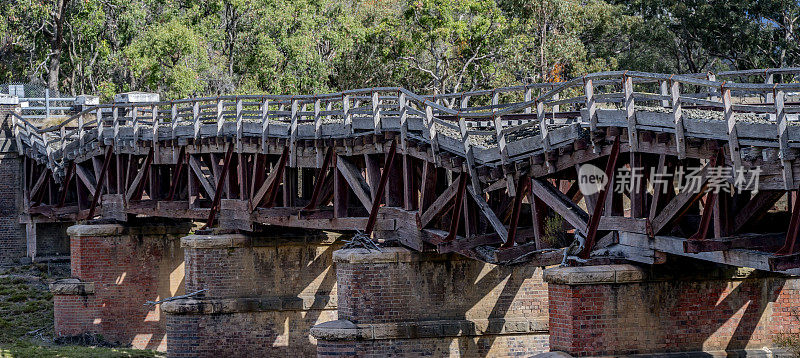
x: 261, y: 294
x: 616, y: 310
x: 399, y: 302
x: 116, y: 269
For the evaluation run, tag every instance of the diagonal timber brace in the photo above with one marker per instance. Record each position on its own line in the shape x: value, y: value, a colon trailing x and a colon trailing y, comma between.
x: 594, y: 220
x: 220, y: 184
x: 373, y: 213
x: 100, y: 182
x: 320, y: 180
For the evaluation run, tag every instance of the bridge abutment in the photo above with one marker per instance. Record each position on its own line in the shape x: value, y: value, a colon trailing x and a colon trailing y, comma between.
x: 624, y: 309
x: 261, y: 295
x: 399, y: 302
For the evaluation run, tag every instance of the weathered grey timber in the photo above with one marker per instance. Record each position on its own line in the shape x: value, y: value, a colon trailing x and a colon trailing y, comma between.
x: 450, y: 167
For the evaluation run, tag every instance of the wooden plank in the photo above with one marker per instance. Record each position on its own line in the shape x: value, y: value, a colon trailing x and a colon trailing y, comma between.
x: 622, y: 223
x: 560, y: 203
x: 352, y: 174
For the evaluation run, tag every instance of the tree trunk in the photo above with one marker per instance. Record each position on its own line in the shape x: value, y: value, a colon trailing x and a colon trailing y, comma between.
x: 54, y: 68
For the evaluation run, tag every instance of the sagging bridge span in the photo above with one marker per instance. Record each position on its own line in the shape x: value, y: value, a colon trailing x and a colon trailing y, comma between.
x: 479, y: 173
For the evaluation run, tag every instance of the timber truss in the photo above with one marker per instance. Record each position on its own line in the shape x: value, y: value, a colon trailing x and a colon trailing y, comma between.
x: 491, y: 175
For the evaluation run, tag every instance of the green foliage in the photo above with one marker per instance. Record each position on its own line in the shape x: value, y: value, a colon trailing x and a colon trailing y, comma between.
x: 191, y: 47
x: 169, y: 58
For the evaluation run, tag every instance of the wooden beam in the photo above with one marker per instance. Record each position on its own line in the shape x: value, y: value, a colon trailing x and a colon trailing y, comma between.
x: 436, y: 207
x: 215, y: 205
x: 322, y: 174
x: 101, y: 181
x: 560, y: 203
x: 198, y: 172
x: 352, y: 174
x: 487, y: 212
x: 136, y: 187
x: 758, y: 205
x: 86, y: 178
x: 381, y: 187
x: 677, y: 207
x: 272, y: 180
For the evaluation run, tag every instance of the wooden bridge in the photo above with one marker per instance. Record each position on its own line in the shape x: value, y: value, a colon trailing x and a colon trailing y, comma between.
x: 491, y: 175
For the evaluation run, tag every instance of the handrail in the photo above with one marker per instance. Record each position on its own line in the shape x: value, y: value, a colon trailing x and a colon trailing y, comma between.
x: 379, y: 103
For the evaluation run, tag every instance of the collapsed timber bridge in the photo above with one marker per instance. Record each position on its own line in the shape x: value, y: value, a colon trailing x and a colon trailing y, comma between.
x: 481, y: 173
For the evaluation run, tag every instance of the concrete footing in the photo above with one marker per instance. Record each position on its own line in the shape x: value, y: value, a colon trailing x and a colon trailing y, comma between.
x: 260, y: 295
x: 399, y: 302
x: 624, y: 309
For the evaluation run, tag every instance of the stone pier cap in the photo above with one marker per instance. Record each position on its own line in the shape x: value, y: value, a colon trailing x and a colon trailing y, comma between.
x: 591, y: 275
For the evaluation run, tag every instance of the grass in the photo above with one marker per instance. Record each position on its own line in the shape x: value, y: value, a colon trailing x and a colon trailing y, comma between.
x: 26, y: 319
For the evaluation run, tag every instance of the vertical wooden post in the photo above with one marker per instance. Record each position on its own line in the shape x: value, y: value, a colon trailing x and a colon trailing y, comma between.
x: 174, y: 117
x: 769, y: 78
x: 115, y: 123
x: 591, y: 108
x: 733, y: 136
x: 135, y: 123
x: 348, y: 117
x: 220, y: 117
x: 783, y: 140
x: 196, y: 118
x: 99, y: 117
x: 376, y: 112
x: 264, y: 124
x: 630, y: 113
x: 677, y: 117
x: 239, y: 125
x: 293, y: 133
x: 403, y: 110
x: 544, y: 131
x: 341, y: 192
x: 664, y: 90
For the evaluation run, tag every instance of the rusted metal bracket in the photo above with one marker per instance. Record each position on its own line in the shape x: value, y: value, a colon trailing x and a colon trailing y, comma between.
x: 597, y: 213
x: 218, y: 192
x: 373, y: 213
x: 98, y: 191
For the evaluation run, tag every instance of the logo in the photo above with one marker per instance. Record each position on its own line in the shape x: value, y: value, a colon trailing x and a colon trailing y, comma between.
x: 591, y: 179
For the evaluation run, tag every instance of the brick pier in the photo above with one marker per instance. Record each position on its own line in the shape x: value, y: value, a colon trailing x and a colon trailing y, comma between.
x: 116, y: 269
x: 399, y: 302
x: 624, y: 309
x: 12, y: 233
x: 262, y: 295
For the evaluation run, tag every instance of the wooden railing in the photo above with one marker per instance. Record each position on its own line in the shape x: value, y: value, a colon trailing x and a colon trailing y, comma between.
x: 511, y: 122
